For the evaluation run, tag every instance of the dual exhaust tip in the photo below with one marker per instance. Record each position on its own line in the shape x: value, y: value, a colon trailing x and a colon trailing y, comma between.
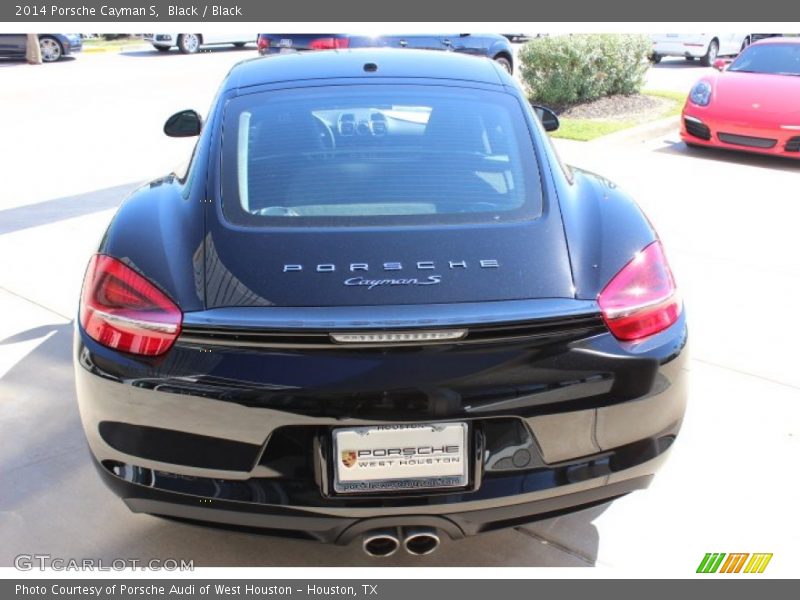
x: 417, y: 541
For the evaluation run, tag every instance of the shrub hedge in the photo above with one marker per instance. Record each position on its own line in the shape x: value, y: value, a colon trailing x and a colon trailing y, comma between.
x: 564, y: 70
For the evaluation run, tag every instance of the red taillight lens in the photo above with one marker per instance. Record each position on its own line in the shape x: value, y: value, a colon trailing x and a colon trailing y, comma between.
x: 329, y: 43
x: 642, y: 298
x: 262, y: 43
x: 122, y: 310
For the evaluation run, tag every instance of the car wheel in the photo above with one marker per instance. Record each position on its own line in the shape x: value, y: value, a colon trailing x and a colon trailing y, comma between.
x: 711, y: 54
x: 239, y: 44
x: 51, y: 49
x: 655, y: 58
x: 689, y: 58
x: 189, y: 43
x: 161, y: 48
x: 504, y: 62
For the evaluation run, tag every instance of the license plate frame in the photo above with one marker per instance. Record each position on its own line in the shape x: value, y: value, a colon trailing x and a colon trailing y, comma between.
x: 424, y: 458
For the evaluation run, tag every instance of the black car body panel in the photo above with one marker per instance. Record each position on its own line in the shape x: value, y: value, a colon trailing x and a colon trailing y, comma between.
x: 239, y: 412
x: 161, y: 217
x: 604, y: 228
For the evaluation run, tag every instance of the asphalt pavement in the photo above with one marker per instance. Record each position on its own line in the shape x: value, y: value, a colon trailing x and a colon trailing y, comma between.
x: 86, y: 131
x: 675, y: 74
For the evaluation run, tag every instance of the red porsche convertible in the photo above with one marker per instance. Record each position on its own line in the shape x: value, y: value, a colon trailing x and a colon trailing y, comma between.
x: 753, y: 104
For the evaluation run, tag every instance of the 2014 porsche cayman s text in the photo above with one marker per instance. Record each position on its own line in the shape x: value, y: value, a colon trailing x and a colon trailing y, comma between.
x: 376, y: 307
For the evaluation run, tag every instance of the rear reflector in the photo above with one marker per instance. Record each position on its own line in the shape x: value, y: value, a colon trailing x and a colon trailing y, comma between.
x: 123, y: 310
x: 329, y: 43
x: 642, y: 298
x: 398, y: 337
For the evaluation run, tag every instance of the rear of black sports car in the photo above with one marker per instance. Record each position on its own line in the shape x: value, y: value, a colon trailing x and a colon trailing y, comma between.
x: 377, y: 307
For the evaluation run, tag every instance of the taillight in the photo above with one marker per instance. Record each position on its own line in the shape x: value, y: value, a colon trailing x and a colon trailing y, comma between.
x: 262, y: 43
x: 122, y: 310
x: 329, y: 43
x: 642, y: 298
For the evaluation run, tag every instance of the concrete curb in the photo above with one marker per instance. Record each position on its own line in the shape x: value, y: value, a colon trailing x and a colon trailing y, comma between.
x: 640, y: 133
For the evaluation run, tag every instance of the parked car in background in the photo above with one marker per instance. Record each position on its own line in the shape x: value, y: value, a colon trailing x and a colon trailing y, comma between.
x: 494, y: 46
x: 189, y: 43
x: 751, y: 104
x: 522, y: 37
x: 53, y: 45
x: 754, y: 37
x: 705, y: 46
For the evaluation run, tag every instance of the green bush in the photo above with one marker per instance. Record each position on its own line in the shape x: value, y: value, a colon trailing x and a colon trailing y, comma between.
x: 562, y: 70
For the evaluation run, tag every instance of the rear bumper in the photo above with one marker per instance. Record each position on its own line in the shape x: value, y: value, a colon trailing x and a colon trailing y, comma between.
x: 342, y: 526
x: 272, y: 51
x: 73, y: 47
x: 688, y: 48
x: 702, y: 128
x: 164, y: 40
x: 178, y: 437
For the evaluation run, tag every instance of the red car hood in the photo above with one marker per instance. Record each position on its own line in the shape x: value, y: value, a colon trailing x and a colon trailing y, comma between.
x: 755, y: 94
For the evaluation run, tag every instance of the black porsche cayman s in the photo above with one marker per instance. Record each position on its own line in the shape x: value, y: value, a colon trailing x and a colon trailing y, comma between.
x: 377, y: 307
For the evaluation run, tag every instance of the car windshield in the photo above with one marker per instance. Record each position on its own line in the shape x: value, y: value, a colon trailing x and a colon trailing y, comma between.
x: 377, y: 154
x: 773, y: 59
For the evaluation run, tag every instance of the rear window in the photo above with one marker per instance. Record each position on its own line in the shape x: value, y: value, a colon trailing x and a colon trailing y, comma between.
x: 378, y: 154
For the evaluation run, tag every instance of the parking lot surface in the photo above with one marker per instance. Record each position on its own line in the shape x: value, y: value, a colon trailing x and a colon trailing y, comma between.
x: 675, y: 74
x: 88, y: 130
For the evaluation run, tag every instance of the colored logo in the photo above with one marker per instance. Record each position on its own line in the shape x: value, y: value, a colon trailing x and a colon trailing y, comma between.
x: 348, y: 458
x: 741, y: 562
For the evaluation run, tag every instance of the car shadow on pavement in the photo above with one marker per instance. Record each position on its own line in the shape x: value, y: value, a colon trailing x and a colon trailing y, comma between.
x: 54, y: 503
x: 679, y: 63
x: 779, y: 163
x: 21, y: 62
x: 152, y: 52
x: 58, y: 209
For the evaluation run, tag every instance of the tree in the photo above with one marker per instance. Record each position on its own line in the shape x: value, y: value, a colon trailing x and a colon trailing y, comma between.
x: 33, y: 52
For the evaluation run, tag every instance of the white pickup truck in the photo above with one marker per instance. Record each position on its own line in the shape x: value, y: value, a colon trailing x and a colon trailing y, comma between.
x: 705, y: 46
x: 189, y: 43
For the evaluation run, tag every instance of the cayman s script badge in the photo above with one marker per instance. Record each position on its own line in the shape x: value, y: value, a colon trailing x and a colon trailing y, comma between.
x: 371, y: 284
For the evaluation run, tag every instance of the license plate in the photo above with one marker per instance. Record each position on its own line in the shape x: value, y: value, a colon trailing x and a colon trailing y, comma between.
x: 396, y: 458
x: 285, y: 43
